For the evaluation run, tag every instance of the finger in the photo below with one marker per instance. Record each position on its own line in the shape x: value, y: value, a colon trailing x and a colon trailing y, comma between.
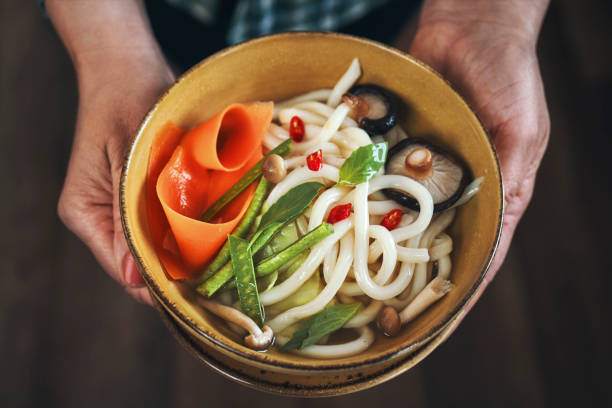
x: 141, y: 294
x: 92, y: 223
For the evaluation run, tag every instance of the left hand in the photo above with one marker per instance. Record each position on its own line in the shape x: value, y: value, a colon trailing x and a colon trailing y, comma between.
x: 491, y: 60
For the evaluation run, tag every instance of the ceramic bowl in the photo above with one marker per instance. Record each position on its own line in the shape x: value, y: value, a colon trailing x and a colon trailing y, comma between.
x: 277, y: 67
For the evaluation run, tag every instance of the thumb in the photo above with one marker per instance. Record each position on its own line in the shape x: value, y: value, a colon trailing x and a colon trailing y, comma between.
x: 124, y: 261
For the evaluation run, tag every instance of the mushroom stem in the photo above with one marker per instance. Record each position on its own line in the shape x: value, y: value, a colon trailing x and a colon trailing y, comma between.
x: 258, y: 339
x: 359, y: 106
x: 434, y: 290
x: 390, y: 321
x: 418, y: 163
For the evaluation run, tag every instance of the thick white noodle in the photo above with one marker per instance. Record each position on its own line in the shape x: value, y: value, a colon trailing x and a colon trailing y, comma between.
x: 360, y: 344
x: 399, y: 302
x: 350, y: 289
x: 370, y: 287
x: 438, y: 225
x: 322, y: 204
x: 326, y: 111
x: 441, y: 246
x: 381, y: 234
x: 270, y: 141
x: 330, y: 127
x: 316, y: 95
x: 286, y: 114
x: 329, y: 262
x: 308, y: 267
x: 349, y: 139
x: 345, y: 83
x: 365, y: 316
x: 328, y: 150
x: 469, y: 192
x: 299, y: 176
x: 412, y: 255
x: 333, y: 160
x: 444, y: 267
x: 278, y: 131
x: 343, y: 263
x: 383, y: 207
x: 414, y: 189
x: 391, y: 136
x: 302, y: 225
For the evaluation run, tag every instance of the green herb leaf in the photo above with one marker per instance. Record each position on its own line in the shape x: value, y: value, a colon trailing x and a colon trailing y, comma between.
x: 320, y: 325
x: 363, y: 164
x: 242, y: 264
x: 282, y: 149
x: 290, y: 205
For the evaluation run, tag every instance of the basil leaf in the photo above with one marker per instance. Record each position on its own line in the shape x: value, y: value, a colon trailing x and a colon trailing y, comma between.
x: 363, y: 164
x: 320, y: 325
x: 242, y: 264
x: 290, y: 205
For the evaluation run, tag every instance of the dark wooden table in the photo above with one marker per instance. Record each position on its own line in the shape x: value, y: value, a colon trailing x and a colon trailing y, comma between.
x: 540, y: 336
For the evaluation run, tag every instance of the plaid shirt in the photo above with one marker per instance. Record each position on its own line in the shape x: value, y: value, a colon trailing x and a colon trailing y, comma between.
x: 254, y: 18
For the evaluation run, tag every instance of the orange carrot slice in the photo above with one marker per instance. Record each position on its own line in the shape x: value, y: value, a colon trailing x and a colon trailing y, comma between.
x: 188, y: 174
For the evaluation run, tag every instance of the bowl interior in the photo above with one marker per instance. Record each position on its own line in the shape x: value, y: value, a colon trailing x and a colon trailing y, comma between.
x: 280, y: 66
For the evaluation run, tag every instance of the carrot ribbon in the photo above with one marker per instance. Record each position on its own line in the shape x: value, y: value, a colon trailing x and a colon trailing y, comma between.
x: 189, y: 171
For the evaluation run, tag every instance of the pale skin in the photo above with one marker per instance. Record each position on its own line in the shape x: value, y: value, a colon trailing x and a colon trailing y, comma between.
x: 486, y: 48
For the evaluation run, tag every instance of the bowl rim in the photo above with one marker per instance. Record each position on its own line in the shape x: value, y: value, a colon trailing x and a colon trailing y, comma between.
x: 316, y: 365
x: 287, y: 389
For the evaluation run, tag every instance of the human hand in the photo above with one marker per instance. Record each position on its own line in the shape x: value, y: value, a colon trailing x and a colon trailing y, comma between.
x: 110, y: 110
x: 121, y: 73
x: 486, y: 49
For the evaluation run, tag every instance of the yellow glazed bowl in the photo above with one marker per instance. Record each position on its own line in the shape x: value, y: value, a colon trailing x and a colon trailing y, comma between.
x: 274, y: 68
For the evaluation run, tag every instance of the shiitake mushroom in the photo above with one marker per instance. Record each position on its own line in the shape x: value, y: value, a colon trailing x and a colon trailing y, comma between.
x: 374, y: 108
x: 442, y: 174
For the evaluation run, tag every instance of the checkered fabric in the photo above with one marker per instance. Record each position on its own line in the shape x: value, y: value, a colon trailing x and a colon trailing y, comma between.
x: 254, y: 18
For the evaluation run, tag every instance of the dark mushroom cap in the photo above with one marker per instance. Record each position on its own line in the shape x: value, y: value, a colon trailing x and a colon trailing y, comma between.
x: 442, y: 174
x: 382, y: 108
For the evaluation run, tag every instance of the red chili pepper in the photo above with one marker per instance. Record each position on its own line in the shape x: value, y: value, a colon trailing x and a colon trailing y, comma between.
x: 391, y: 219
x: 339, y: 213
x: 315, y: 160
x: 296, y: 129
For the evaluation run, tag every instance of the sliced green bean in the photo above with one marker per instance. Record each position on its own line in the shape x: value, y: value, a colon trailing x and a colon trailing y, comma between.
x: 242, y: 264
x: 241, y: 230
x: 274, y: 262
x: 282, y: 149
x: 223, y: 275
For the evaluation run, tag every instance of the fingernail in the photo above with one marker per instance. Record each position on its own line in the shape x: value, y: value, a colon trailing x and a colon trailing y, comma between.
x: 131, y: 276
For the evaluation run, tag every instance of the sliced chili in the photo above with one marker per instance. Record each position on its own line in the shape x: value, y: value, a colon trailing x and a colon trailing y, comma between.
x: 339, y: 213
x: 315, y: 160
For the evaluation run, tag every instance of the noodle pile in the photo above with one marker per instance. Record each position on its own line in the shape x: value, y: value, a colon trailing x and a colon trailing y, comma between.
x: 361, y: 259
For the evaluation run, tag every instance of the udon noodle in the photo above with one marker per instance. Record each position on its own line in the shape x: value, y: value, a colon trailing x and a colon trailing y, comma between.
x: 361, y: 259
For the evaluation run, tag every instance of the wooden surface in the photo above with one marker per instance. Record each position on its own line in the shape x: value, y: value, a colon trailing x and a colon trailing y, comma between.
x: 540, y: 336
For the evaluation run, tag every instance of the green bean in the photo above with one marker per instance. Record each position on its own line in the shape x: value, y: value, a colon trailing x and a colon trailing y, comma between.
x: 223, y: 275
x: 282, y: 149
x: 241, y: 230
x: 274, y: 262
x: 242, y: 265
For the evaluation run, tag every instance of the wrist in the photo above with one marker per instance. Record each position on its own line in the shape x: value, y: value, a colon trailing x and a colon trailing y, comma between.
x: 517, y: 21
x: 107, y: 40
